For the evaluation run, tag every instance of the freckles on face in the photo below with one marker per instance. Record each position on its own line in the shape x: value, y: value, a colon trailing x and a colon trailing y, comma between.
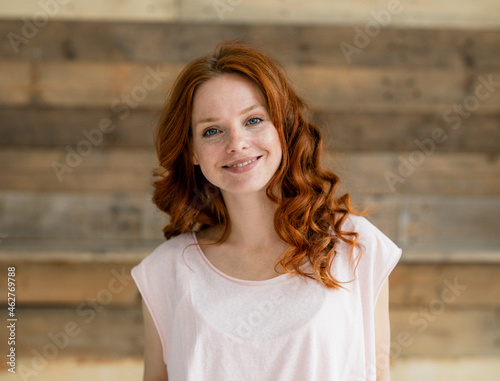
x: 233, y: 138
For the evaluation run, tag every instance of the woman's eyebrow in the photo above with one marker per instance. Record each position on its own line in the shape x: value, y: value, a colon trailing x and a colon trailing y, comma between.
x: 215, y: 119
x: 207, y: 120
x: 250, y: 108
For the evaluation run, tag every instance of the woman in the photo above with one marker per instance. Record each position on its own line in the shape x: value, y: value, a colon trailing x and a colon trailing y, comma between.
x: 265, y: 274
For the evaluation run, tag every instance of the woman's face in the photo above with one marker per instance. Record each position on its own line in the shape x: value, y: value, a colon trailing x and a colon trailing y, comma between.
x: 234, y: 141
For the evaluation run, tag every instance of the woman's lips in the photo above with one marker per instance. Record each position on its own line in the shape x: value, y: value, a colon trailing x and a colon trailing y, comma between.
x: 243, y: 165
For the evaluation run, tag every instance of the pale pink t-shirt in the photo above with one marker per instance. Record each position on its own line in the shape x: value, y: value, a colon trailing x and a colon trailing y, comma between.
x: 214, y: 327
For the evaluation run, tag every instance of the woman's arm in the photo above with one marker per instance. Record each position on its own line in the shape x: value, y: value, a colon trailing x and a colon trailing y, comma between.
x: 154, y: 367
x: 383, y: 334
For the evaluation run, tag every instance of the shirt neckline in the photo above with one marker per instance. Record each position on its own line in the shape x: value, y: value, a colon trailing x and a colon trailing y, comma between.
x: 277, y: 279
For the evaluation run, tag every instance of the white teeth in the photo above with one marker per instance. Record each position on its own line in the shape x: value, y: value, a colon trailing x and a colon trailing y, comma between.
x: 242, y: 164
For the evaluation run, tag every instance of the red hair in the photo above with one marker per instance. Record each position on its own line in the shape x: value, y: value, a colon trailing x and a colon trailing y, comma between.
x: 309, y: 216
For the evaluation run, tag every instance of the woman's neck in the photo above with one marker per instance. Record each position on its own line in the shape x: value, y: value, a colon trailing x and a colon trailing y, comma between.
x: 252, y: 221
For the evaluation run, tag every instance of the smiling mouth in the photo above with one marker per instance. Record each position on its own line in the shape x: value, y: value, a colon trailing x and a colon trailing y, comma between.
x: 244, y: 164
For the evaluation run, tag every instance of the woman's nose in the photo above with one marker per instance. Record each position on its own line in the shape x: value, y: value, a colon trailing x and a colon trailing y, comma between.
x: 237, y: 140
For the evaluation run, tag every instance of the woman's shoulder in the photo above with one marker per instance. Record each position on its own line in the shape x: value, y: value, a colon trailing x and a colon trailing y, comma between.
x: 169, y: 251
x: 360, y: 225
x: 369, y: 235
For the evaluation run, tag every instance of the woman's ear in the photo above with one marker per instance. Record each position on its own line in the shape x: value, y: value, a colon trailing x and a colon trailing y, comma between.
x: 195, y: 159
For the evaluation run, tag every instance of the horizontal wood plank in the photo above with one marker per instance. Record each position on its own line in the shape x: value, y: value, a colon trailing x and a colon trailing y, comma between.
x: 90, y: 331
x: 78, y: 368
x: 148, y: 10
x: 118, y: 332
x: 454, y: 285
x: 103, y: 217
x: 121, y: 87
x: 484, y: 368
x: 15, y: 83
x: 291, y: 44
x: 126, y: 86
x: 402, y: 132
x: 110, y: 284
x: 49, y: 127
x: 424, y: 14
x: 70, y: 280
x: 440, y: 330
x: 89, y: 167
x: 419, y: 171
x: 450, y: 222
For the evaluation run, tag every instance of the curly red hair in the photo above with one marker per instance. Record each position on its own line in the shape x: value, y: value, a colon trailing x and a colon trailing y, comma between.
x: 309, y: 216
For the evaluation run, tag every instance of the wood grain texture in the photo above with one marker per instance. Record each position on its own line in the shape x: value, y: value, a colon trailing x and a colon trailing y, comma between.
x: 434, y: 331
x: 109, y: 284
x: 35, y: 127
x: 118, y: 332
x: 457, y: 285
x: 122, y: 87
x: 57, y: 127
x: 130, y: 85
x: 470, y: 368
x: 89, y: 331
x: 424, y: 14
x: 402, y: 132
x: 54, y: 216
x: 291, y: 44
x: 15, y: 82
x: 91, y: 167
x: 148, y: 10
x: 484, y: 368
x: 72, y: 280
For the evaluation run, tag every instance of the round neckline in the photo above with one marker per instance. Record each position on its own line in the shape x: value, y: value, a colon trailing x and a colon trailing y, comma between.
x: 276, y: 279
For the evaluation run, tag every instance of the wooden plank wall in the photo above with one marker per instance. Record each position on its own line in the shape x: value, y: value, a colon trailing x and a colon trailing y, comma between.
x: 421, y: 14
x: 409, y: 96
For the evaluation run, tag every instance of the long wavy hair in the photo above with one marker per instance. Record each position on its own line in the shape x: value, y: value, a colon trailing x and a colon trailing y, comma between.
x: 309, y: 216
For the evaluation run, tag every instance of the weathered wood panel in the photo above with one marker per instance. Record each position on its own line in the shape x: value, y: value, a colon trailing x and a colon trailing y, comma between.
x: 56, y: 127
x: 484, y: 368
x: 480, y: 368
x: 440, y: 330
x: 77, y: 283
x: 457, y: 285
x: 464, y: 223
x: 375, y: 89
x: 73, y: 216
x: 89, y: 331
x: 89, y: 167
x: 401, y: 132
x: 118, y: 332
x: 419, y: 171
x: 72, y: 280
x: 15, y: 82
x: 83, y: 167
x: 291, y: 44
x: 424, y: 14
x: 125, y: 86
x: 441, y: 225
x: 81, y: 369
x: 148, y: 10
x: 121, y: 87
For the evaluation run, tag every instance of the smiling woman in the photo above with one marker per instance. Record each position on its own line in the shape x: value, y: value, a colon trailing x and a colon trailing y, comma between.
x: 239, y: 150
x: 266, y: 273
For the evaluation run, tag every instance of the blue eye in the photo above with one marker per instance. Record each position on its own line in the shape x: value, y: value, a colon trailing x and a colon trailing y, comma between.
x: 210, y: 132
x: 254, y: 120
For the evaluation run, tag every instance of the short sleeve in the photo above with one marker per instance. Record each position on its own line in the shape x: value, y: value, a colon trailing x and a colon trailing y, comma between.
x: 379, y: 256
x: 149, y: 276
